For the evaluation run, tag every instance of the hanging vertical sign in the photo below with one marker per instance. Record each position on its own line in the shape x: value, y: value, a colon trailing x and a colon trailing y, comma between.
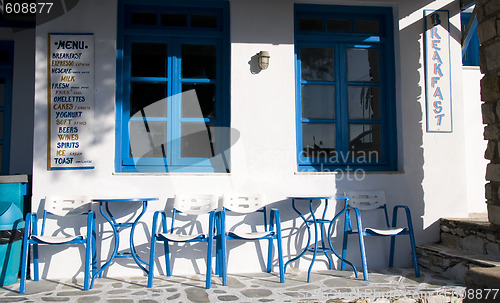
x: 438, y: 72
x: 71, y: 100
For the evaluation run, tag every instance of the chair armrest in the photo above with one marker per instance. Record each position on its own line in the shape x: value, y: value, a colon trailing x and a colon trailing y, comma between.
x: 30, y: 224
x: 395, y: 215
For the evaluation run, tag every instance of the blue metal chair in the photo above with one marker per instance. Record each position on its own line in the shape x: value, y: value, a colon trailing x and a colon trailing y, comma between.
x: 191, y: 205
x: 371, y: 202
x: 246, y: 204
x: 67, y: 207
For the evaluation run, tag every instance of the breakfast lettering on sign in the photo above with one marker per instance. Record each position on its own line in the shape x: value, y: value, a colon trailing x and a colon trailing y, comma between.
x: 71, y: 100
x: 438, y: 80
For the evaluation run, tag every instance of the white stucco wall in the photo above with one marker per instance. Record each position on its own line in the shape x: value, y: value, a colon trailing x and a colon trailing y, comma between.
x: 431, y: 177
x: 474, y: 141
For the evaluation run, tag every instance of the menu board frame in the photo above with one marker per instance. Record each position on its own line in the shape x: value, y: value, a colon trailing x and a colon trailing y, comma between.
x: 71, y: 98
x: 439, y: 113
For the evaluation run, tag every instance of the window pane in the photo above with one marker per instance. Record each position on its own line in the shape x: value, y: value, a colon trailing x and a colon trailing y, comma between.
x: 367, y: 26
x: 318, y: 140
x: 198, y: 61
x: 173, y: 19
x: 1, y: 124
x: 197, y: 141
x: 317, y: 63
x: 143, y: 18
x: 148, y: 139
x: 364, y: 102
x: 4, y: 56
x: 2, y: 92
x: 204, y: 21
x: 318, y: 101
x: 311, y: 24
x: 365, y: 141
x: 149, y: 60
x: 148, y: 99
x: 198, y: 100
x: 339, y: 25
x: 362, y: 65
x: 1, y: 157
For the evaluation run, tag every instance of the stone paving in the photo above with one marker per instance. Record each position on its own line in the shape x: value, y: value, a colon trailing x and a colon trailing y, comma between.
x: 391, y: 285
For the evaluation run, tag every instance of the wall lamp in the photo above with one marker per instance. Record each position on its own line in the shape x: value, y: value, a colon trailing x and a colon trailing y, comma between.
x: 263, y: 59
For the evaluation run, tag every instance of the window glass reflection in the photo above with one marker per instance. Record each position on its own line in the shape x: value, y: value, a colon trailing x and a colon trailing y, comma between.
x: 311, y: 24
x: 198, y: 100
x: 143, y: 18
x: 198, y: 61
x: 318, y: 101
x: 197, y: 140
x: 364, y: 102
x: 339, y: 25
x: 148, y: 99
x: 365, y: 141
x: 149, y: 60
x: 317, y: 63
x: 367, y: 26
x: 148, y: 139
x: 318, y: 140
x: 362, y: 65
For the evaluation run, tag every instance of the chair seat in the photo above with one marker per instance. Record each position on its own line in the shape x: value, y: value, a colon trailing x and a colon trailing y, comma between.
x: 180, y: 237
x: 249, y: 236
x: 56, y: 240
x: 384, y: 232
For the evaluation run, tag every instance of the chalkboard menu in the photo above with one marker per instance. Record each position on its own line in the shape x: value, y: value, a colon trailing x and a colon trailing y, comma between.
x: 71, y: 100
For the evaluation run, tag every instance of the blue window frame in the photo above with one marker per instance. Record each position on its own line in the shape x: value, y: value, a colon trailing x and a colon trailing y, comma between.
x: 345, y: 88
x: 172, y: 86
x: 6, y: 67
x: 471, y: 56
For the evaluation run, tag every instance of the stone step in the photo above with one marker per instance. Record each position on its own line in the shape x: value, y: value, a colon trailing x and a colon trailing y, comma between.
x: 452, y: 262
x: 473, y: 234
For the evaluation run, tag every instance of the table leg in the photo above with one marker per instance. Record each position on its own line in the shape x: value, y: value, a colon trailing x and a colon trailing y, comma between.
x: 116, y: 237
x: 330, y: 239
x: 308, y: 231
x: 136, y: 257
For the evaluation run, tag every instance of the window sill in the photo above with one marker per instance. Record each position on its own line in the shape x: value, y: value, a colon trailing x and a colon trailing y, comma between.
x: 204, y: 174
x: 349, y: 172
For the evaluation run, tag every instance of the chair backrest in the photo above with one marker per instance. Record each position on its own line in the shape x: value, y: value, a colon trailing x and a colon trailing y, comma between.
x: 243, y: 203
x: 195, y: 204
x: 67, y: 205
x: 366, y: 200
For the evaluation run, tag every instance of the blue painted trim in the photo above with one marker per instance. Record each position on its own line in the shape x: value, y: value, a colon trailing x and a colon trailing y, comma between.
x: 6, y: 72
x: 340, y: 42
x: 71, y: 168
x: 470, y: 49
x: 174, y: 37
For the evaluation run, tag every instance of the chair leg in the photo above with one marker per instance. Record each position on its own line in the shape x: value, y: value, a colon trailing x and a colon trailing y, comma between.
x: 223, y: 259
x: 414, y: 253
x: 24, y: 266
x: 87, y: 265
x: 151, y: 261
x: 391, y: 252
x: 344, y: 251
x: 210, y: 249
x: 270, y: 256
x: 167, y: 258
x: 35, y: 262
x: 361, y: 244
x: 280, y: 260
